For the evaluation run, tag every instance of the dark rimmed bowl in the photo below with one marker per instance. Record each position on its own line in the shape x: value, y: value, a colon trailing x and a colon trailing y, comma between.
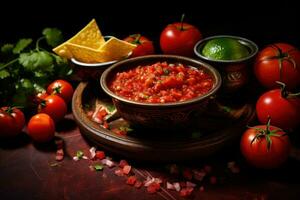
x: 235, y: 73
x: 174, y: 115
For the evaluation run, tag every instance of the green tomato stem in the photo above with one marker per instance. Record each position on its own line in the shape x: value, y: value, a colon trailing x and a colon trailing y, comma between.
x: 181, y: 20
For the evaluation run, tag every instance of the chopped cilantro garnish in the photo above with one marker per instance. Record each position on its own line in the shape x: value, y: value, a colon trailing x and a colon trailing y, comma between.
x: 79, y: 154
x: 98, y: 167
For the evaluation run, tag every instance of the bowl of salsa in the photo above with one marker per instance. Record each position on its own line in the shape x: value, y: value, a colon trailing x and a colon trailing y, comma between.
x: 160, y: 91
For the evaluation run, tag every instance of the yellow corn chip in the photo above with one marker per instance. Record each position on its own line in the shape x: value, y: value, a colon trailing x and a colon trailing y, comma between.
x: 117, y: 49
x: 90, y: 36
x: 86, y: 54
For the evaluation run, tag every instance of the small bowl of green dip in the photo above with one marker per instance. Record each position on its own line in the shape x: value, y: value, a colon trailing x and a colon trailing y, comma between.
x: 231, y: 55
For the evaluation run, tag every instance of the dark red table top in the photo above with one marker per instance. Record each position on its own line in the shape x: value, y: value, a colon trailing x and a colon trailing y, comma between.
x: 29, y: 171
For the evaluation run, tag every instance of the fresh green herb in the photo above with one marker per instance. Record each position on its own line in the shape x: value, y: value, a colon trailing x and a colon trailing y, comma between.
x: 7, y: 48
x: 79, y: 154
x: 166, y: 71
x: 125, y: 128
x: 98, y: 167
x: 27, y: 68
x: 111, y: 107
x: 21, y: 45
x: 53, y: 36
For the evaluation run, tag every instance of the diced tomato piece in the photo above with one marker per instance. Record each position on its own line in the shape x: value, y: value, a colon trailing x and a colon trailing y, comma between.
x: 138, y: 184
x: 59, y: 155
x: 123, y: 163
x: 131, y: 180
x: 105, y: 124
x: 119, y: 172
x: 186, y: 192
x: 153, y: 187
x: 126, y: 169
x: 100, y: 155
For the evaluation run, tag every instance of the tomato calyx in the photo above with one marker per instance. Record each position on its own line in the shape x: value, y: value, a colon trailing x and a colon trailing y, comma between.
x: 284, y: 93
x: 281, y: 56
x: 136, y: 38
x: 43, y: 103
x: 57, y: 89
x: 267, y: 134
x: 10, y: 109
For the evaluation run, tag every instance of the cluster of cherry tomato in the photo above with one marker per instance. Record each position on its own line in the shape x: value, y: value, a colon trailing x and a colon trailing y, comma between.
x: 51, y: 108
x: 277, y: 69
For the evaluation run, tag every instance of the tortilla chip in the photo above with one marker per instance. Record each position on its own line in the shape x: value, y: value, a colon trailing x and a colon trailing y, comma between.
x: 90, y: 36
x: 117, y: 49
x: 86, y: 54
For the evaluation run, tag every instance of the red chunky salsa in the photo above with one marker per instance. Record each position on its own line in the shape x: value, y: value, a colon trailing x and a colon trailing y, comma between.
x: 161, y: 83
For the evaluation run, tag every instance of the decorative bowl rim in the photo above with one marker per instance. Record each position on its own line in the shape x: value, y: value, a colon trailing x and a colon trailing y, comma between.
x: 249, y: 43
x: 213, y: 70
x: 83, y: 64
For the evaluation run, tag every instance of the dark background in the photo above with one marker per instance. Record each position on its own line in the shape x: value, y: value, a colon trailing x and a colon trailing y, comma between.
x: 263, y: 22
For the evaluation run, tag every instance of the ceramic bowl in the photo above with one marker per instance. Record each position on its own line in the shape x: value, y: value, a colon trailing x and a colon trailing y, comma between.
x: 235, y: 73
x: 173, y: 115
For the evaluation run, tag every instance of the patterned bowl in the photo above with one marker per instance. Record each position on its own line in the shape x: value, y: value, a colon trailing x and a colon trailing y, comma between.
x: 175, y: 115
x: 235, y: 73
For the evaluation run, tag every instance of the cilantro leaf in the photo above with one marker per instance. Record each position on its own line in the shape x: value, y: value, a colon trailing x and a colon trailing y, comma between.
x: 62, y: 67
x: 21, y: 45
x: 4, y: 74
x: 111, y: 107
x: 36, y: 60
x: 7, y: 48
x: 98, y: 167
x: 79, y: 154
x: 53, y: 36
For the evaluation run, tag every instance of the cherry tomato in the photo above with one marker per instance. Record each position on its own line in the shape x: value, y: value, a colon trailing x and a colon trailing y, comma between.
x: 179, y: 39
x: 61, y: 88
x: 144, y: 45
x: 265, y: 146
x: 283, y: 110
x: 12, y: 121
x: 54, y: 106
x: 41, y: 128
x: 278, y: 62
x: 38, y: 98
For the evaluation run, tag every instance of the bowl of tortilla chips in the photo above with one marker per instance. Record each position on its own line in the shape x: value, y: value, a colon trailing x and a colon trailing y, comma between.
x: 91, y: 53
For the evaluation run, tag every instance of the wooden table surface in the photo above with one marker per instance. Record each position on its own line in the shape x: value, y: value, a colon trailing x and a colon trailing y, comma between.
x: 29, y: 171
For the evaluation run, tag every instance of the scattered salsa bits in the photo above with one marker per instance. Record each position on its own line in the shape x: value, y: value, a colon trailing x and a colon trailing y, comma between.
x: 162, y: 82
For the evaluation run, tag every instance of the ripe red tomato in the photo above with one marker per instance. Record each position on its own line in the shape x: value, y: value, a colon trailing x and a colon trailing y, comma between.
x: 54, y: 106
x: 179, y: 39
x: 12, y: 121
x: 260, y: 152
x: 284, y: 111
x: 41, y: 128
x: 144, y: 45
x: 61, y: 88
x: 278, y: 62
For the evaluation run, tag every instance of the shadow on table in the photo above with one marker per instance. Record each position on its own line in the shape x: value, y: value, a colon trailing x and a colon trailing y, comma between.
x: 15, y: 142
